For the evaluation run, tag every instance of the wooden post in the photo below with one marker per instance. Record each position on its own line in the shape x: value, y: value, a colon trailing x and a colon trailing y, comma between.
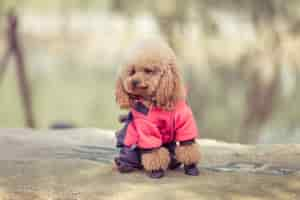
x: 15, y: 49
x: 3, y: 64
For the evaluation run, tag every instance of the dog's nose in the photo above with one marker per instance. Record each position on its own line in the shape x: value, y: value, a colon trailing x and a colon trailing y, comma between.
x: 135, y: 83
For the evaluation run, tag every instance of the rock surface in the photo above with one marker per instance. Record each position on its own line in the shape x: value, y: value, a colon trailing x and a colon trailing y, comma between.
x: 77, y: 164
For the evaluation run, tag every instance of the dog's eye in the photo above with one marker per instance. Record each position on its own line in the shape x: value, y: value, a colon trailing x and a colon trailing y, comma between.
x: 131, y: 72
x: 148, y: 71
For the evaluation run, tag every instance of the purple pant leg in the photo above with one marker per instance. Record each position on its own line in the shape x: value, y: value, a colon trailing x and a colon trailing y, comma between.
x: 129, y: 158
x: 174, y: 164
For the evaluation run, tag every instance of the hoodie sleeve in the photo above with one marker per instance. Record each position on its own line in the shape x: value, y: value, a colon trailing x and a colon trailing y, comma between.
x: 185, y: 125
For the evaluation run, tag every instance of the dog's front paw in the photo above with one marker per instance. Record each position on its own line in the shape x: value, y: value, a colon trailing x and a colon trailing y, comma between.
x: 156, y: 173
x: 191, y: 170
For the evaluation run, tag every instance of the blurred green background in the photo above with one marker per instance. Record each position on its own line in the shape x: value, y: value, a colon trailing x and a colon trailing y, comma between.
x: 239, y: 59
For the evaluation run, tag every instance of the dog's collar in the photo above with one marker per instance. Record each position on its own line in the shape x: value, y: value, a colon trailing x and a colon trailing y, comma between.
x: 140, y: 107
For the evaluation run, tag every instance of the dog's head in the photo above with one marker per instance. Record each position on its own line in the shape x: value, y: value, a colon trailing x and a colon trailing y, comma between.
x: 150, y: 72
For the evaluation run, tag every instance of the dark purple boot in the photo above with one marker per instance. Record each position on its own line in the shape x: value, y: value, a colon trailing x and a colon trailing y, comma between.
x: 156, y: 173
x: 191, y: 170
x: 123, y: 167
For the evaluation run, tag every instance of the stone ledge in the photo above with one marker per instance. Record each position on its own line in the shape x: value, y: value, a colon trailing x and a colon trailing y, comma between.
x: 76, y: 164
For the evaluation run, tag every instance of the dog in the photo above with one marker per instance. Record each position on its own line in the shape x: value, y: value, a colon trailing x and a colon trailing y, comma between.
x: 160, y: 131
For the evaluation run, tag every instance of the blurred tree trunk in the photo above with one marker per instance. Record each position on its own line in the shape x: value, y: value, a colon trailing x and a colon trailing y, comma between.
x: 117, y: 6
x: 4, y: 63
x: 262, y: 94
x: 1, y: 7
x: 261, y: 99
x: 126, y: 8
x: 171, y: 14
x: 15, y: 49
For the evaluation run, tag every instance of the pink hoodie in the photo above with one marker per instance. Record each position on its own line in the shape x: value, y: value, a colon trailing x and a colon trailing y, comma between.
x: 149, y: 128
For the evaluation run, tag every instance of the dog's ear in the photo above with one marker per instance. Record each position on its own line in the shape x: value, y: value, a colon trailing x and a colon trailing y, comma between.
x: 170, y: 89
x: 122, y: 97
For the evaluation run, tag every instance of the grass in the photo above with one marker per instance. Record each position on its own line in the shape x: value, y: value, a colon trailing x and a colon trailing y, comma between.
x: 83, y: 98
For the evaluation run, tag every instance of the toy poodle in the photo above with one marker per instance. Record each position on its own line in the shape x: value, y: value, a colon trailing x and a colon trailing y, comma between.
x: 160, y: 130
